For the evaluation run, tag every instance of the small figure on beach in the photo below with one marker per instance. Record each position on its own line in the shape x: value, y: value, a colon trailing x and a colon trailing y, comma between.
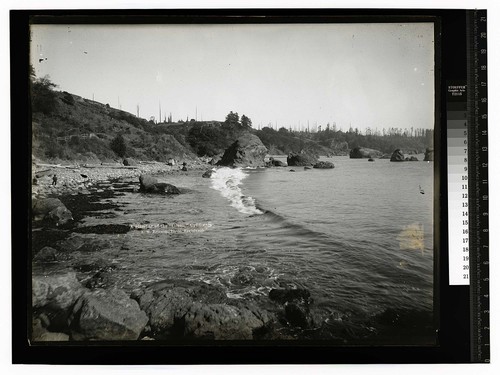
x: 184, y: 167
x: 54, y: 180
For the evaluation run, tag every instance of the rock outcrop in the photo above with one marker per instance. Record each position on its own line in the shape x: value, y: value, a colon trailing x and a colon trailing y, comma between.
x: 51, y: 209
x: 57, y: 291
x: 207, y: 173
x: 149, y: 184
x: 324, y: 165
x: 129, y: 162
x: 106, y: 315
x: 301, y: 159
x: 220, y: 321
x: 179, y: 308
x: 397, y: 155
x: 411, y: 158
x: 246, y: 151
x: 275, y: 163
x: 364, y: 153
x: 54, y: 295
x: 429, y: 154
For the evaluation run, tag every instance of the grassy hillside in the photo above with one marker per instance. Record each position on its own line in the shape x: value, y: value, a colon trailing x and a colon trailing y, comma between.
x: 70, y: 127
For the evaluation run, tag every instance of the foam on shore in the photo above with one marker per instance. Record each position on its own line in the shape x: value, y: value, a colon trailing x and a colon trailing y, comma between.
x: 227, y: 181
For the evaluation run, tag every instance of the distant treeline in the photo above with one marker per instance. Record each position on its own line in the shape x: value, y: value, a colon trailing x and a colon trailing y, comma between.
x: 337, y: 142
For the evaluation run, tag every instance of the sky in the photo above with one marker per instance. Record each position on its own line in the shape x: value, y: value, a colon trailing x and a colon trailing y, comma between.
x: 359, y: 75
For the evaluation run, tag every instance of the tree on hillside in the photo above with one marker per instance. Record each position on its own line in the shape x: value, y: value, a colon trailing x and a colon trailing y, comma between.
x: 118, y: 146
x: 43, y: 97
x: 246, y: 123
x: 232, y: 120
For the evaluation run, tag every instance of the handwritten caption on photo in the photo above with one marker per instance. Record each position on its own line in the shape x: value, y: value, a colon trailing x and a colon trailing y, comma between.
x: 172, y: 227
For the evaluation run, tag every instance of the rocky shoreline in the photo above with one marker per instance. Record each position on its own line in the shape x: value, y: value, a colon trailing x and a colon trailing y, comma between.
x: 67, y: 306
x: 82, y: 178
x: 73, y: 300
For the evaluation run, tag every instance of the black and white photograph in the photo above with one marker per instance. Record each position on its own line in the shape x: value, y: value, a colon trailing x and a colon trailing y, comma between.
x: 233, y: 182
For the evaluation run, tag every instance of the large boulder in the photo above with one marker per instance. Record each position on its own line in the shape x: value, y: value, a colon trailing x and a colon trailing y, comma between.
x: 220, y: 322
x: 107, y: 315
x: 149, y: 184
x: 246, y: 151
x: 168, y: 301
x: 429, y: 154
x: 397, y: 155
x: 301, y: 159
x: 324, y: 165
x: 208, y: 173
x: 364, y: 153
x: 51, y: 209
x: 46, y: 254
x: 58, y: 291
x: 129, y: 162
x: 53, y: 296
x: 275, y: 163
x: 411, y: 158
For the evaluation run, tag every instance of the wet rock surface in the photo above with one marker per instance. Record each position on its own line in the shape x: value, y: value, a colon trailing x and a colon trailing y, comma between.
x: 149, y: 184
x: 301, y: 159
x: 324, y: 165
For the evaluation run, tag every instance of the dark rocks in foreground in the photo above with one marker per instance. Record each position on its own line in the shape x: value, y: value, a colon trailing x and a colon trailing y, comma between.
x: 364, y: 153
x: 196, y: 310
x: 247, y: 151
x: 295, y: 303
x: 149, y: 184
x: 324, y: 165
x: 51, y: 209
x: 283, y: 295
x: 106, y: 315
x: 302, y: 159
x: 171, y: 309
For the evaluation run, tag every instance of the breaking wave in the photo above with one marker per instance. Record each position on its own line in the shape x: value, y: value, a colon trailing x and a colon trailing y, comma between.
x: 227, y: 181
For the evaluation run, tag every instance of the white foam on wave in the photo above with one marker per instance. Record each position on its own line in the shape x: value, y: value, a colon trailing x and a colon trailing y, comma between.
x: 227, y: 181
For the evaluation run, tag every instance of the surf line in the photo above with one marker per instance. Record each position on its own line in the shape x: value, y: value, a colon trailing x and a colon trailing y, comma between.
x: 227, y: 181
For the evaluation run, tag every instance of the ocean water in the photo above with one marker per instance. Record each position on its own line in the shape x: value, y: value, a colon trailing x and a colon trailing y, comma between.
x: 359, y: 237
